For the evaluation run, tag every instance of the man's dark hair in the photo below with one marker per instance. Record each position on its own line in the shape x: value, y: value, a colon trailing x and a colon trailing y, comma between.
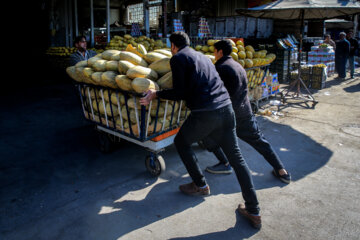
x: 225, y: 46
x: 180, y: 39
x: 79, y: 38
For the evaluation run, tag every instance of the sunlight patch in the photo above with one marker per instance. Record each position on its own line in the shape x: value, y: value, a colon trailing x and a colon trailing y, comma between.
x: 107, y: 210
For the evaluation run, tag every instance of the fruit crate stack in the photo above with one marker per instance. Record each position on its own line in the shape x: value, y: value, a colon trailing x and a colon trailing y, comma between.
x: 204, y: 30
x: 318, y: 78
x: 135, y: 30
x: 177, y: 26
x: 306, y: 75
x: 281, y: 65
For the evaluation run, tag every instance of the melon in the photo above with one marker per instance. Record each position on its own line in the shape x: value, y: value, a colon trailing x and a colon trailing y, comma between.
x: 81, y: 64
x: 111, y: 65
x: 124, y: 66
x: 250, y: 48
x: 249, y: 54
x: 248, y: 63
x: 92, y: 60
x: 133, y: 58
x: 164, y: 52
x: 99, y: 65
x: 71, y: 71
x: 142, y: 72
x: 123, y: 82
x: 108, y: 54
x: 153, y: 56
x: 165, y: 82
x: 141, y: 85
x: 234, y: 56
x: 96, y: 77
x: 108, y: 79
x: 161, y: 66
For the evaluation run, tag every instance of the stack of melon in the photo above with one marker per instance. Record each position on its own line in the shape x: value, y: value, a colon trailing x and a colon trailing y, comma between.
x: 120, y: 43
x: 245, y: 55
x: 134, y: 71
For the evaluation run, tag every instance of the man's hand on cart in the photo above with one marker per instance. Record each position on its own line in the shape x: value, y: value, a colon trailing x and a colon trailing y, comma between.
x: 149, y: 95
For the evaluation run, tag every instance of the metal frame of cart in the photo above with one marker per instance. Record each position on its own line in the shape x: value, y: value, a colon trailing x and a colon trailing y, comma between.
x: 154, y: 135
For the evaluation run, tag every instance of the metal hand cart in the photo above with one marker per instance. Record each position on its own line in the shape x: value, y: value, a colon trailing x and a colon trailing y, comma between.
x: 119, y: 115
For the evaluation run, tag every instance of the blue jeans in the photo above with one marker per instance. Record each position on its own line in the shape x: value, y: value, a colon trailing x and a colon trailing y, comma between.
x: 247, y: 130
x: 340, y: 64
x: 352, y: 65
x: 219, y: 125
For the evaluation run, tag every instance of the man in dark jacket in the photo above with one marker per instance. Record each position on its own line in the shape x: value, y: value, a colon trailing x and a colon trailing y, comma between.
x: 354, y: 45
x: 341, y: 55
x: 196, y: 81
x: 235, y: 80
x: 82, y: 53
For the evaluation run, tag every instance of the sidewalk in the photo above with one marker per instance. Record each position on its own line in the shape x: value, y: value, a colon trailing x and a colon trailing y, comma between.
x: 55, y: 184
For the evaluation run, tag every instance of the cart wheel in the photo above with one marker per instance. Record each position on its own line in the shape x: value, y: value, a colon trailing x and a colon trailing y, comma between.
x: 105, y: 142
x: 155, y: 164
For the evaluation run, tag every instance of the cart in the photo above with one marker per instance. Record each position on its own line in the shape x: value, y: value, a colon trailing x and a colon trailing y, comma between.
x: 118, y: 115
x: 255, y: 103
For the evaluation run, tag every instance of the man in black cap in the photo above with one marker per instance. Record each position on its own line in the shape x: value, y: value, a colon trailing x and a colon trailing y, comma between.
x: 196, y: 81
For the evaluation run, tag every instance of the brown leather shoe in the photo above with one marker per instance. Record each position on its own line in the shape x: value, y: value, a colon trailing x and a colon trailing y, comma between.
x: 192, y: 189
x: 255, y: 221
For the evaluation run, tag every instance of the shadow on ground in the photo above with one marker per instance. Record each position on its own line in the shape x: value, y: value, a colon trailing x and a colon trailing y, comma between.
x: 56, y: 184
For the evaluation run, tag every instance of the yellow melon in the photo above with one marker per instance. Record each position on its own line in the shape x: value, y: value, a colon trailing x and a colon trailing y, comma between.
x: 161, y: 66
x: 142, y: 72
x: 141, y: 85
x: 123, y: 82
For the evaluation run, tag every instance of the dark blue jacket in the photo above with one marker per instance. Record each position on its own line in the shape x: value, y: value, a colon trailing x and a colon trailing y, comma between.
x: 342, y: 49
x: 77, y: 57
x: 196, y: 81
x: 235, y: 80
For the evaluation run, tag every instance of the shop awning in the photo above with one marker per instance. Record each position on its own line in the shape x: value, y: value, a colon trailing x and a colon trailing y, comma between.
x: 312, y: 9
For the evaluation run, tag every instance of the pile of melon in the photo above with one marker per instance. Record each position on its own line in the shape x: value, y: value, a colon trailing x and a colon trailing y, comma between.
x: 120, y: 43
x: 245, y: 55
x: 133, y: 71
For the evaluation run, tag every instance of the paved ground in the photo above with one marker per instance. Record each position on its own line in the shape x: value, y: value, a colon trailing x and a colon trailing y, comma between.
x: 55, y: 184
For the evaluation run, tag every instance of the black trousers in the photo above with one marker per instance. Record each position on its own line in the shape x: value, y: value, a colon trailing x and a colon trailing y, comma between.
x: 218, y: 125
x: 247, y: 130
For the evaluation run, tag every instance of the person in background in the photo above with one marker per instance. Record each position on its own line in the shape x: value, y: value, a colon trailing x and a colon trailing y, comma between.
x: 196, y: 81
x: 235, y: 81
x: 82, y: 53
x: 354, y: 46
x: 329, y: 41
x: 341, y: 55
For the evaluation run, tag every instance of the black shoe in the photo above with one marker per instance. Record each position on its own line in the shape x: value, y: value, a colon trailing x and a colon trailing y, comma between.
x: 286, y: 178
x: 219, y: 168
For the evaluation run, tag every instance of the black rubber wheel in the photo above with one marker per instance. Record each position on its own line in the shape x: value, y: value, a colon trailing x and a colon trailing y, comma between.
x: 155, y: 164
x: 105, y: 143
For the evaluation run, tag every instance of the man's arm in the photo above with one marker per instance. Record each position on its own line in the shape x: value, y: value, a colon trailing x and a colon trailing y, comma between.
x: 177, y: 92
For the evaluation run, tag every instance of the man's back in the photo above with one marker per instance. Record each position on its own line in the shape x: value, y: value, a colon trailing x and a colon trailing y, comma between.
x: 235, y: 80
x: 342, y: 48
x: 196, y: 80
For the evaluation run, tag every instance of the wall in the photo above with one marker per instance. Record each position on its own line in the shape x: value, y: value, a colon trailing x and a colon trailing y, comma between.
x: 227, y: 7
x: 236, y: 26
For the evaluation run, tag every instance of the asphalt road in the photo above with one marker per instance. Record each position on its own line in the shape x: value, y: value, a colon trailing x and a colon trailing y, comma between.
x: 56, y: 184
